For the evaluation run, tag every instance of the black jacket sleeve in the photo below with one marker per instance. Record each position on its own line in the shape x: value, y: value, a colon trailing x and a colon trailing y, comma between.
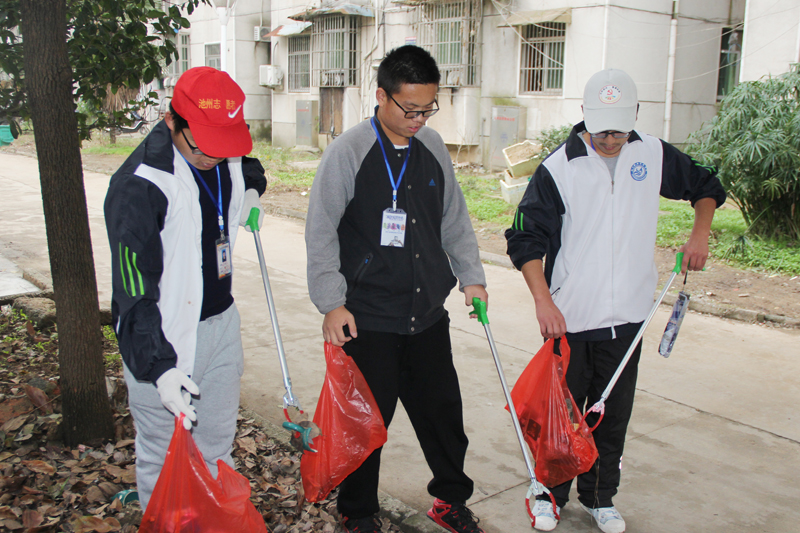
x: 254, y: 177
x: 683, y: 178
x: 536, y: 231
x: 135, y: 210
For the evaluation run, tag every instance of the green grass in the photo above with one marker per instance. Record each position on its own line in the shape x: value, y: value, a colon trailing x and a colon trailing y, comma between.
x: 730, y: 240
x: 484, y: 201
x: 277, y: 163
x: 101, y: 145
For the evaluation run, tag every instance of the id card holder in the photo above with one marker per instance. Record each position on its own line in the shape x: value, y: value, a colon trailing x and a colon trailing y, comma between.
x: 224, y: 264
x: 393, y: 228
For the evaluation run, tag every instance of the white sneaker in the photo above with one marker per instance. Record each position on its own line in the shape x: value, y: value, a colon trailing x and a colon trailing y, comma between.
x: 544, y: 519
x: 608, y: 519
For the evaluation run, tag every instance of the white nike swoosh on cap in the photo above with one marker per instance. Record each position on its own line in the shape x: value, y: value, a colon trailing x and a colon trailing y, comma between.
x: 231, y: 115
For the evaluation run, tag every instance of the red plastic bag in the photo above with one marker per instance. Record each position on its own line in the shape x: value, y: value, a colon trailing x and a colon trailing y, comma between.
x: 561, y: 442
x: 351, y: 423
x: 187, y: 498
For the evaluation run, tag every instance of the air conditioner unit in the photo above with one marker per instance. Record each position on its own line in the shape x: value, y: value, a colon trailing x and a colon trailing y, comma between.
x: 260, y: 33
x: 270, y: 75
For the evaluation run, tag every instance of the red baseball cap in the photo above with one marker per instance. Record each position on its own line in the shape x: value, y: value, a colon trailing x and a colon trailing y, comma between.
x: 211, y: 102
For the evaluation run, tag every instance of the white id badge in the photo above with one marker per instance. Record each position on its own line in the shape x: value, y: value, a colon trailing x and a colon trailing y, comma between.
x: 393, y: 228
x: 224, y: 265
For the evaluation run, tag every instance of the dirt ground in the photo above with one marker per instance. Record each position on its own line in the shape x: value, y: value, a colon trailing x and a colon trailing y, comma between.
x: 720, y: 283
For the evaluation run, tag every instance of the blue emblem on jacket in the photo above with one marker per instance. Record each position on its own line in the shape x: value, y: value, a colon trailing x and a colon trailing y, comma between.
x: 639, y: 171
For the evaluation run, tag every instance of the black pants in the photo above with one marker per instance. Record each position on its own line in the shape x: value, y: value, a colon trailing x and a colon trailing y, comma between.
x: 591, y: 366
x: 417, y: 369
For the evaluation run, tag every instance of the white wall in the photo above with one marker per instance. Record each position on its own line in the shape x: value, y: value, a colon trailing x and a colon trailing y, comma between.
x: 244, y: 54
x: 771, y: 38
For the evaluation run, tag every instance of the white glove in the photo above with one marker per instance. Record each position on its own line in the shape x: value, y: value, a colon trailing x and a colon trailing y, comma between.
x: 170, y: 386
x: 251, y: 201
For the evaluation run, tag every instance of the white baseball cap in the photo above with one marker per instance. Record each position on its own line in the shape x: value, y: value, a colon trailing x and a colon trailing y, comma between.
x: 610, y: 102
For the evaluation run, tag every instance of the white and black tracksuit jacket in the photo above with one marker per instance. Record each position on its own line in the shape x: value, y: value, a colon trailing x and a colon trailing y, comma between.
x: 598, y: 231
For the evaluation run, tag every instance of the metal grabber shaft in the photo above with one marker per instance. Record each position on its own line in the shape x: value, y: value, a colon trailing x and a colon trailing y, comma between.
x: 305, y: 431
x: 536, y: 488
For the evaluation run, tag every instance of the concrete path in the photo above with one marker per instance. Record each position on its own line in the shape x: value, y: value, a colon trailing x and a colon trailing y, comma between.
x: 714, y: 444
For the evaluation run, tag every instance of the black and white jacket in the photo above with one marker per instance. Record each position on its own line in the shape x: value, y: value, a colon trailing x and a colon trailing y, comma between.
x: 154, y: 223
x: 598, y: 231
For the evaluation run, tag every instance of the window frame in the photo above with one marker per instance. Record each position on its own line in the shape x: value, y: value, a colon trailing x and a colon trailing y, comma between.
x: 336, y: 51
x: 299, y: 69
x: 729, y: 71
x: 542, y: 49
x: 209, y: 58
x: 449, y: 31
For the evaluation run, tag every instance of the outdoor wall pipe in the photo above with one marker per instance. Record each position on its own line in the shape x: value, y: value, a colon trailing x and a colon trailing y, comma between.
x: 605, y: 35
x: 673, y: 41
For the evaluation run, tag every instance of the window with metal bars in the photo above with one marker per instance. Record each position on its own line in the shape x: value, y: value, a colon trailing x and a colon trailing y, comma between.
x: 334, y: 47
x: 449, y: 31
x: 542, y: 58
x: 299, y: 64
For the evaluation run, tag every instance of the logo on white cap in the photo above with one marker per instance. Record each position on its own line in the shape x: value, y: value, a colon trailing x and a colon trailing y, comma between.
x: 610, y: 94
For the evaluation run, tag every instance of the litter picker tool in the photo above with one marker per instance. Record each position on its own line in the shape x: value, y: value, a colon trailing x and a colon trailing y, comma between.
x: 536, y: 488
x: 600, y: 406
x: 303, y: 431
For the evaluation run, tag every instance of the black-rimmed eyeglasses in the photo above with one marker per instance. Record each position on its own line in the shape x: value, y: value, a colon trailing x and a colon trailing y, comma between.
x: 414, y: 114
x: 615, y: 134
x: 195, y: 150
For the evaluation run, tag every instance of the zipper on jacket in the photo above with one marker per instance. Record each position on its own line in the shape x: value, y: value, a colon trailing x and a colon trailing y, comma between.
x: 359, y: 273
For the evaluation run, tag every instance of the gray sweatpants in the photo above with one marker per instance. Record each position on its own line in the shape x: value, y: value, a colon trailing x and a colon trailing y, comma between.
x: 218, y: 368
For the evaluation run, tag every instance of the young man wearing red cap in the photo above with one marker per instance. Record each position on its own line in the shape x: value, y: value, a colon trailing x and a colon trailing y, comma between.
x: 387, y: 235
x: 172, y: 213
x: 591, y: 208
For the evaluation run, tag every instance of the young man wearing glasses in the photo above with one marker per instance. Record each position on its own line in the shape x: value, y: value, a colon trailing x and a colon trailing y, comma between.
x: 172, y: 213
x: 591, y: 210
x: 386, y: 221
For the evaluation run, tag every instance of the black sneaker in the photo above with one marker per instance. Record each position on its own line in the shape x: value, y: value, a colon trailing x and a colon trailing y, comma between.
x: 368, y: 524
x: 455, y: 517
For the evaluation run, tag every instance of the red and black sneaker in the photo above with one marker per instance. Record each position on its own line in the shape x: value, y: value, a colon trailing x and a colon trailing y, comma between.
x: 454, y: 516
x: 368, y: 524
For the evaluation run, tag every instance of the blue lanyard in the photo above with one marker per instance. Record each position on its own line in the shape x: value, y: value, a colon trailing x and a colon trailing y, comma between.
x: 216, y: 199
x: 388, y: 168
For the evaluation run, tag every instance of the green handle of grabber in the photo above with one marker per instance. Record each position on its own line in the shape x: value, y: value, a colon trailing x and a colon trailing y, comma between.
x: 479, y: 309
x: 252, y: 220
x: 678, y: 262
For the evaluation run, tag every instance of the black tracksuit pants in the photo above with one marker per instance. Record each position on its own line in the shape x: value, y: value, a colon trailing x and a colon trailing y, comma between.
x: 417, y: 369
x: 591, y: 366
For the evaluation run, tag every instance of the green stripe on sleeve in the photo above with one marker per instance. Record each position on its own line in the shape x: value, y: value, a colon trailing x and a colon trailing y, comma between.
x: 139, y: 275
x: 122, y: 270
x: 130, y: 272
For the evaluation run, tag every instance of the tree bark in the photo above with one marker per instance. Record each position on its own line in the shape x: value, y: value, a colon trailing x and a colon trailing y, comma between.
x: 48, y: 78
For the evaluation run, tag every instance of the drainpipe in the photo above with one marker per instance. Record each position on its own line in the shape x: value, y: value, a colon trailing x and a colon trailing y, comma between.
x: 224, y: 14
x: 745, y: 31
x: 673, y: 41
x: 605, y: 35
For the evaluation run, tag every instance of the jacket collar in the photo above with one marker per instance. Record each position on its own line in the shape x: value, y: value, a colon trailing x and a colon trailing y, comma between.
x: 575, y: 147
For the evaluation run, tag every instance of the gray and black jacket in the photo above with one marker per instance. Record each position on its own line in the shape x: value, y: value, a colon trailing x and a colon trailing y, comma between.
x: 598, y: 231
x: 400, y: 290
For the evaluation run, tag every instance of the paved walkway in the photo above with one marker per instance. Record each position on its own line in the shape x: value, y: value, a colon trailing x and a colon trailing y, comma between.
x: 714, y: 444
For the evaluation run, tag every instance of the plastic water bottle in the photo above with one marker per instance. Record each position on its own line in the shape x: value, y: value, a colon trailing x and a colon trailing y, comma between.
x: 674, y: 324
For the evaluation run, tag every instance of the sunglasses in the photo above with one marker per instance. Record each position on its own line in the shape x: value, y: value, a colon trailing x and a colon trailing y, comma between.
x: 195, y: 150
x: 615, y: 134
x: 415, y: 114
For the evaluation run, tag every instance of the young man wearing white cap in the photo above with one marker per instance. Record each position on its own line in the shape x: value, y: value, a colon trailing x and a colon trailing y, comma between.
x: 172, y: 213
x: 591, y: 208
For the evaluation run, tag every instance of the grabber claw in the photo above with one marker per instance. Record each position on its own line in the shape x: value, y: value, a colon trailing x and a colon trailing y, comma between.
x: 302, y: 435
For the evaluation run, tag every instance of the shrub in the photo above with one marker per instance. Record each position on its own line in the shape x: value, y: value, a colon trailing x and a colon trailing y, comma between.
x: 754, y: 141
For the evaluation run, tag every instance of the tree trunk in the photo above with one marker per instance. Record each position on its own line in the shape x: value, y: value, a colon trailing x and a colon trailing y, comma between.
x: 48, y: 79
